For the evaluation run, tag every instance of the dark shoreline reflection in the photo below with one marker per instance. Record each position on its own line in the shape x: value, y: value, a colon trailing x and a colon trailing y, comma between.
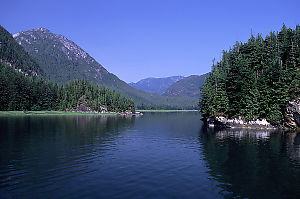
x: 253, y: 163
x: 33, y: 148
x: 157, y: 155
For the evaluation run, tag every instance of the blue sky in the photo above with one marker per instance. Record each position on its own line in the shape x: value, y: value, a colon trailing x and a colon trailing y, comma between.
x: 136, y: 39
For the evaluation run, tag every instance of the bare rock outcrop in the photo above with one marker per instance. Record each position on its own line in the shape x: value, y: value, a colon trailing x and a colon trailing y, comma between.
x: 291, y: 120
x: 83, y: 106
x: 293, y: 114
x: 238, y: 123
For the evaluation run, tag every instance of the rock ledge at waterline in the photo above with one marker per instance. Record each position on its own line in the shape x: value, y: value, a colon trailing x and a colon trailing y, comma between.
x: 237, y: 123
x: 291, y: 120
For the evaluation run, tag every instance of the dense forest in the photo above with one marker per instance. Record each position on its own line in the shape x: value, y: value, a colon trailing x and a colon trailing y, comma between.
x: 255, y: 79
x: 63, y: 60
x: 23, y: 86
x: 20, y: 92
x: 97, y: 98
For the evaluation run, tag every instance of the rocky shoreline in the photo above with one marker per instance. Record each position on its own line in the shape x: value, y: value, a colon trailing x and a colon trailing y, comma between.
x: 222, y: 122
x: 291, y: 120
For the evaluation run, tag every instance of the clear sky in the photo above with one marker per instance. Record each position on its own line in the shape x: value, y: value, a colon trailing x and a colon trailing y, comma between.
x: 136, y: 39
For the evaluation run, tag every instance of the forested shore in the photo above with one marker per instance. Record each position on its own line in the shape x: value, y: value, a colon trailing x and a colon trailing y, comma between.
x: 256, y: 79
x: 25, y: 87
x: 19, y: 92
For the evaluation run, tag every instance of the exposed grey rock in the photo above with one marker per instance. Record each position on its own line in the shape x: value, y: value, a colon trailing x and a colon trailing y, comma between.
x: 83, y: 106
x: 238, y: 123
x: 293, y: 114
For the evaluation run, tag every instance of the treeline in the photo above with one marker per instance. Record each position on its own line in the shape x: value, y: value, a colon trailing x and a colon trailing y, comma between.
x: 96, y: 97
x: 255, y: 79
x: 25, y: 93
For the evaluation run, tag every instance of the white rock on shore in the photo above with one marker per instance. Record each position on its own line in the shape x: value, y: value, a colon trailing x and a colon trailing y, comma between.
x: 239, y: 123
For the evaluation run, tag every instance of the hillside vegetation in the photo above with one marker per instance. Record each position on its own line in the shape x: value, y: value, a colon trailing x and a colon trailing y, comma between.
x: 188, y: 86
x: 14, y: 55
x: 156, y: 85
x: 255, y: 79
x: 62, y: 60
x: 24, y: 87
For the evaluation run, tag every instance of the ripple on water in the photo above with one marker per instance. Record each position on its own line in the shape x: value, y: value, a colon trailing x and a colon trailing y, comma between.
x: 154, y: 156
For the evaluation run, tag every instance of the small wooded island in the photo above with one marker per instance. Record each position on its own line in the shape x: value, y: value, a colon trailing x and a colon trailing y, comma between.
x: 256, y: 84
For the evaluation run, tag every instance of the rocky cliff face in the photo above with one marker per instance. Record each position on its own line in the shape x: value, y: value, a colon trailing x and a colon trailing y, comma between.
x: 293, y: 114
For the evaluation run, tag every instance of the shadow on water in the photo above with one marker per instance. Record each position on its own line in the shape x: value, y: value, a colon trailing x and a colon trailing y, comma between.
x: 253, y: 163
x: 158, y: 155
x: 43, y: 145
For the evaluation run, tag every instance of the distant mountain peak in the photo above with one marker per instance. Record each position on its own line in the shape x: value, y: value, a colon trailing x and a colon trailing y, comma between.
x: 188, y: 86
x: 58, y: 56
x: 62, y: 60
x: 42, y: 29
x: 43, y: 35
x: 156, y: 85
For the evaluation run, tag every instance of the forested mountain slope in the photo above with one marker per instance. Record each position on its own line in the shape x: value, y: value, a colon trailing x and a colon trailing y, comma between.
x: 156, y: 85
x: 62, y: 60
x: 14, y: 55
x: 255, y: 79
x: 23, y: 86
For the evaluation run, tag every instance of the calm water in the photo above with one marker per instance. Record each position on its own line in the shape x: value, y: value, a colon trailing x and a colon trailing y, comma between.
x: 158, y: 155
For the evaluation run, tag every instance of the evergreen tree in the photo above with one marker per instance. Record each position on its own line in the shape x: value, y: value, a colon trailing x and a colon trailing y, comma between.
x: 255, y: 79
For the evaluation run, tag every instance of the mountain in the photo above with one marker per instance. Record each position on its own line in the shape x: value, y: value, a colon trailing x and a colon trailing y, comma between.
x: 23, y: 86
x: 156, y: 85
x: 62, y: 60
x: 14, y: 55
x: 188, y: 86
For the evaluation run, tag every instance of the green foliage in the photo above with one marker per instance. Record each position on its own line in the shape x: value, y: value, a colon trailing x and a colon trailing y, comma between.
x: 20, y: 92
x: 95, y: 96
x: 62, y: 61
x: 25, y: 93
x: 156, y: 85
x: 275, y: 116
x: 14, y: 54
x: 188, y: 86
x: 255, y: 79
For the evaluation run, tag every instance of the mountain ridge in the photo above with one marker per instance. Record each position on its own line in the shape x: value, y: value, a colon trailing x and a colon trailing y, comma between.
x: 188, y: 86
x: 156, y: 85
x: 15, y: 55
x: 62, y: 60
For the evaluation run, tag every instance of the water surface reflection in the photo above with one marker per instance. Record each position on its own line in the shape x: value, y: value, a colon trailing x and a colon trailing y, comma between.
x: 158, y: 155
x: 253, y: 163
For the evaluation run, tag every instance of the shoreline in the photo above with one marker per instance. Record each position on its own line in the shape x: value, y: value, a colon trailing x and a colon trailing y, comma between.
x: 137, y: 113
x: 22, y: 113
x: 224, y: 123
x: 165, y: 111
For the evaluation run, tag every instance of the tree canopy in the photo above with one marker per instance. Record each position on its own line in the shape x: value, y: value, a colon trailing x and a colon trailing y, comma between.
x: 255, y: 79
